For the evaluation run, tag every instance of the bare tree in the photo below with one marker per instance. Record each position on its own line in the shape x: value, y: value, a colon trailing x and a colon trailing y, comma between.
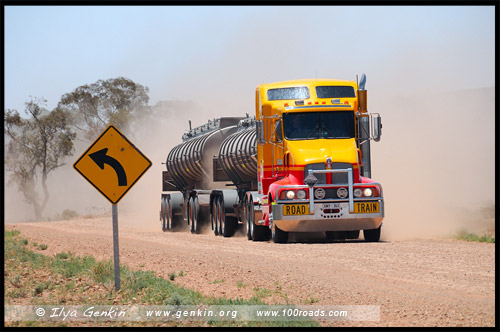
x: 36, y: 146
x: 113, y: 101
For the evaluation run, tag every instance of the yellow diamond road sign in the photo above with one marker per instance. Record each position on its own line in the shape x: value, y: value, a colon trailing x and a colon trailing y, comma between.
x: 112, y: 164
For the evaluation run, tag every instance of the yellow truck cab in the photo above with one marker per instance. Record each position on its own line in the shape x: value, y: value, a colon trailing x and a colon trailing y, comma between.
x: 313, y: 159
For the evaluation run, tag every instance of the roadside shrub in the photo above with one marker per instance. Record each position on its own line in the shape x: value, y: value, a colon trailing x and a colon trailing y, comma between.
x: 103, y: 271
x: 69, y: 214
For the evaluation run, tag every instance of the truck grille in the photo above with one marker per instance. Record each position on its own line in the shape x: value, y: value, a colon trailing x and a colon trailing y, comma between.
x: 337, y: 178
x: 331, y: 193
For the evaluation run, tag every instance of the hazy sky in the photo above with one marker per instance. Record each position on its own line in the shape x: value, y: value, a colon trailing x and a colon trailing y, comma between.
x: 207, y: 53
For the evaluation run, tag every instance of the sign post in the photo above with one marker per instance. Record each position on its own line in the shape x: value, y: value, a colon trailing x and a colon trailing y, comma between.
x: 116, y: 251
x: 112, y: 164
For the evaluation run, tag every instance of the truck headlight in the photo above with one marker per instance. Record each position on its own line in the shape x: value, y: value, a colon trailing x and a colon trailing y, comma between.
x: 301, y: 194
x: 290, y: 194
x: 368, y: 192
x: 320, y: 193
x: 342, y: 192
x: 358, y: 192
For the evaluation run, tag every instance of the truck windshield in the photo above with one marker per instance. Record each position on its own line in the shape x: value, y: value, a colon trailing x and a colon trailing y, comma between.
x: 315, y: 125
x: 300, y: 92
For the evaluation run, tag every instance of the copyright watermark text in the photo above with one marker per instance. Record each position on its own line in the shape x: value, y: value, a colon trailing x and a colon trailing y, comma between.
x: 191, y: 313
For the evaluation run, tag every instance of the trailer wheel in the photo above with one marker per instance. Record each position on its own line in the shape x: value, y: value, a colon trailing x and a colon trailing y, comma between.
x: 216, y: 216
x: 372, y: 235
x: 220, y: 216
x: 163, y: 214
x: 190, y: 215
x: 229, y: 223
x: 248, y: 218
x: 175, y: 212
x: 168, y: 213
x: 188, y: 212
x: 278, y: 235
x: 193, y: 211
x: 225, y: 223
x: 196, y: 215
x: 213, y: 217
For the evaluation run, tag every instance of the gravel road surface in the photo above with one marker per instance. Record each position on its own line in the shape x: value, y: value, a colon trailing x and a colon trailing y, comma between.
x: 415, y: 283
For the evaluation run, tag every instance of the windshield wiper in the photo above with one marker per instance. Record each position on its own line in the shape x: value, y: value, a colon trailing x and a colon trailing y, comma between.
x: 325, y: 133
x: 315, y: 129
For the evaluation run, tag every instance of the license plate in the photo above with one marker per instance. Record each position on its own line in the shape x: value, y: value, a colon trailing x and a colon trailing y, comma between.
x: 366, y: 207
x: 331, y: 206
x: 295, y: 209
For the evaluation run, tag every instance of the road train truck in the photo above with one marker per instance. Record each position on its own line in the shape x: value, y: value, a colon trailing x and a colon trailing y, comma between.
x: 301, y: 164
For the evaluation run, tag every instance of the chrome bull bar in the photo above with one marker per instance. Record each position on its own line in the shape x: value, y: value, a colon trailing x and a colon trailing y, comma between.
x: 350, y: 182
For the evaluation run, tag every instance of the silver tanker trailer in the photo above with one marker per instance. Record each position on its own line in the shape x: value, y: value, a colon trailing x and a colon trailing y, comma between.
x: 211, y: 179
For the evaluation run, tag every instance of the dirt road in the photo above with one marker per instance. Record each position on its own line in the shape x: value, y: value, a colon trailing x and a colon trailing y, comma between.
x: 416, y: 283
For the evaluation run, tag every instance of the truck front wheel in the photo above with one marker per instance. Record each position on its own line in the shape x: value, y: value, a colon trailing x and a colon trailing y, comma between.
x: 255, y: 232
x: 278, y: 235
x: 372, y: 235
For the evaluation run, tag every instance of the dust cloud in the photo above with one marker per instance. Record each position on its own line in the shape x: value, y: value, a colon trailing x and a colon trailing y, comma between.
x: 155, y: 137
x: 436, y: 162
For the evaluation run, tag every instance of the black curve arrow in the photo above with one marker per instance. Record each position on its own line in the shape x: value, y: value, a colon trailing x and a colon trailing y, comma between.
x: 100, y: 158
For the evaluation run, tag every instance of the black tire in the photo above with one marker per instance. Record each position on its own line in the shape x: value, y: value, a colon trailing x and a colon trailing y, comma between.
x: 163, y: 215
x: 168, y: 214
x: 193, y: 212
x: 214, y: 216
x: 260, y: 233
x: 248, y: 218
x: 188, y: 212
x: 372, y: 235
x: 222, y: 215
x: 217, y: 216
x: 229, y: 226
x: 257, y: 232
x: 352, y: 235
x: 278, y: 235
x: 226, y: 224
x: 197, y: 214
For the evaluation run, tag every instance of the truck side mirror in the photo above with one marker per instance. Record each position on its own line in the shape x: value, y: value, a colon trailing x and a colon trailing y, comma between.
x: 377, y: 127
x: 260, y: 132
x: 278, y: 132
